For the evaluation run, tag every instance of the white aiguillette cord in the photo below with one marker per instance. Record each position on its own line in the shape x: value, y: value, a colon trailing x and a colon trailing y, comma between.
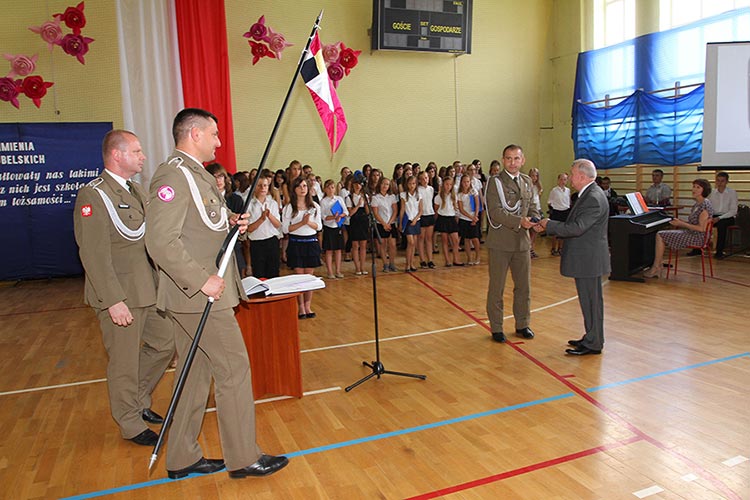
x: 515, y: 209
x: 223, y: 223
x: 125, y: 231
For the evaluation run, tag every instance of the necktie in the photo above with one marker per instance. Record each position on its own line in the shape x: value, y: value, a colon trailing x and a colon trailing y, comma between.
x: 518, y: 185
x: 134, y: 191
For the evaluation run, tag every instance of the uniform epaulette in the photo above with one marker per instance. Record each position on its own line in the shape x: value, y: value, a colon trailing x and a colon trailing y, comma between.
x: 95, y: 182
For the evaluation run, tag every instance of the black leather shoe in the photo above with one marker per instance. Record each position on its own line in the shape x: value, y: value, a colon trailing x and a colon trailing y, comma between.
x: 575, y: 343
x: 202, y: 466
x: 152, y: 417
x: 582, y: 351
x: 498, y: 336
x: 525, y: 333
x: 146, y: 438
x: 266, y: 465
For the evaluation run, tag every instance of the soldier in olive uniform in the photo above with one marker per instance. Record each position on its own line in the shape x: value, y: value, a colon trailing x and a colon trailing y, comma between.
x: 121, y: 285
x: 188, y: 221
x: 509, y: 212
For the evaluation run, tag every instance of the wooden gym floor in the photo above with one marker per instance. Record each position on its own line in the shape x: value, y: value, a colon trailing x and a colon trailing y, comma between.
x: 664, y: 412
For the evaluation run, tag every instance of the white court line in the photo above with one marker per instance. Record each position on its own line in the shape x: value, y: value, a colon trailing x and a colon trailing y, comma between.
x: 689, y: 477
x: 281, y: 398
x: 96, y: 381
x: 411, y: 335
x: 735, y: 461
x: 647, y: 492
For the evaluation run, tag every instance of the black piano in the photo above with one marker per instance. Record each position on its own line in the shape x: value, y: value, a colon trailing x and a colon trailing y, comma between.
x: 631, y: 241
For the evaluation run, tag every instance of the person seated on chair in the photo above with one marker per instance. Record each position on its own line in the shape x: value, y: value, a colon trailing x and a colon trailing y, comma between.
x: 724, y: 201
x: 658, y: 194
x: 691, y: 233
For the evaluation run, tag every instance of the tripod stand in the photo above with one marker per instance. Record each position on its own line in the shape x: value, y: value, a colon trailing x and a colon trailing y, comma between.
x: 376, y: 366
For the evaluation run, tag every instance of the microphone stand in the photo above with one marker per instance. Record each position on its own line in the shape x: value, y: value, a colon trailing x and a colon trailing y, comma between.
x: 376, y: 366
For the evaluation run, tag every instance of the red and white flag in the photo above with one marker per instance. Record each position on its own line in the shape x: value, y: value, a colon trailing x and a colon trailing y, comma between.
x: 315, y: 75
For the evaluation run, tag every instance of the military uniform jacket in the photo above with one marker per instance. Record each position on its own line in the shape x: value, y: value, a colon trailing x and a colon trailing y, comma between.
x: 117, y: 269
x: 180, y: 242
x: 510, y: 236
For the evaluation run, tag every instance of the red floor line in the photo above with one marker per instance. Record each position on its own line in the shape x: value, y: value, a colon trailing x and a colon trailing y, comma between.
x: 524, y: 470
x: 43, y: 311
x: 612, y: 414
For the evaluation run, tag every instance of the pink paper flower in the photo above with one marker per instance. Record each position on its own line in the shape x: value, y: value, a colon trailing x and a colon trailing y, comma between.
x: 50, y: 32
x: 259, y: 51
x: 349, y: 57
x: 76, y: 45
x: 331, y: 53
x: 9, y: 91
x: 258, y: 30
x: 34, y: 87
x: 276, y: 42
x: 21, y: 65
x: 74, y: 18
x: 335, y: 73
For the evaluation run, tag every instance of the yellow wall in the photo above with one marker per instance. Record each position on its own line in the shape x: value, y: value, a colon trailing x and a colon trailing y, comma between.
x: 514, y: 87
x: 82, y: 92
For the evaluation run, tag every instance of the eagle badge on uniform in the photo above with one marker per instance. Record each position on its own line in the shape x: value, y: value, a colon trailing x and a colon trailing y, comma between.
x: 165, y: 193
x: 86, y: 211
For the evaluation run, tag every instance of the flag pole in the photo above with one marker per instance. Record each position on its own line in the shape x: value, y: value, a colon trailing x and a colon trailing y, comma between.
x: 222, y: 260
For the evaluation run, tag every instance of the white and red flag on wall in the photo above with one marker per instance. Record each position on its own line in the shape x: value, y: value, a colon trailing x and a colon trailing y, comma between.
x: 315, y: 75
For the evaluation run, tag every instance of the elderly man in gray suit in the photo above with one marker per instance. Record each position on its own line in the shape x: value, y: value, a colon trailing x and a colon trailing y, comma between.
x: 585, y: 255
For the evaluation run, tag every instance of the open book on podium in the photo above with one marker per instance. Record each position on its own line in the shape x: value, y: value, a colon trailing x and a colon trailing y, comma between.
x: 291, y: 283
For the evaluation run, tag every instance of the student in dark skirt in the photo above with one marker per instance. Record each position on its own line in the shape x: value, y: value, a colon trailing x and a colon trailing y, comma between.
x: 301, y: 220
x: 385, y: 211
x: 427, y: 222
x: 334, y: 212
x: 469, y: 227
x: 447, y: 225
x: 263, y: 230
x: 359, y: 226
x: 410, y: 215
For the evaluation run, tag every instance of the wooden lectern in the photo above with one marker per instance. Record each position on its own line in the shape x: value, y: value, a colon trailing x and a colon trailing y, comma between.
x: 270, y: 329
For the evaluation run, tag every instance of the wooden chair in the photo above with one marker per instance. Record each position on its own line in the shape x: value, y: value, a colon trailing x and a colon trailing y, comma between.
x: 705, y: 250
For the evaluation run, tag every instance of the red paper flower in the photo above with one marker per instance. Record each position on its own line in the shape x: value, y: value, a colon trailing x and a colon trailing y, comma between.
x: 260, y: 50
x: 258, y: 30
x: 335, y: 73
x: 34, y: 87
x: 276, y: 42
x: 21, y: 65
x: 331, y: 53
x: 50, y: 32
x: 348, y: 58
x: 76, y: 45
x: 74, y: 18
x: 9, y: 90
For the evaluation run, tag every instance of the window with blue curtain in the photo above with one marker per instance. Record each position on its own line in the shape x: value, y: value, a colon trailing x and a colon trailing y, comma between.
x: 643, y: 127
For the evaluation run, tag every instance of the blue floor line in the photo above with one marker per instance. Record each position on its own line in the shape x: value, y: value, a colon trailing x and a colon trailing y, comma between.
x: 668, y: 372
x: 410, y: 430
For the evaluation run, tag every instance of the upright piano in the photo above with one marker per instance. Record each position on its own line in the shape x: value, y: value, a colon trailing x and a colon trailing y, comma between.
x: 631, y: 241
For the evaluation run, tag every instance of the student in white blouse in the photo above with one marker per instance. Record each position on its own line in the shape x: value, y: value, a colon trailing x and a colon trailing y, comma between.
x: 263, y: 231
x: 384, y: 210
x: 427, y: 222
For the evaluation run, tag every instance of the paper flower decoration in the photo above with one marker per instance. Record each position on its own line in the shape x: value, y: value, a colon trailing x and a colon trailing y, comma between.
x: 34, y: 87
x: 339, y: 60
x: 74, y: 44
x: 9, y: 91
x: 259, y: 51
x: 73, y: 18
x: 21, y: 65
x: 50, y: 32
x: 274, y: 44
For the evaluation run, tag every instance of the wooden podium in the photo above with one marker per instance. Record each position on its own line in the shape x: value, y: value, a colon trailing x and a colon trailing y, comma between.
x: 270, y: 329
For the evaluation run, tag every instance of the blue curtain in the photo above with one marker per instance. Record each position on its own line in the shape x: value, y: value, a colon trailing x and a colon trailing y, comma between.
x: 646, y: 128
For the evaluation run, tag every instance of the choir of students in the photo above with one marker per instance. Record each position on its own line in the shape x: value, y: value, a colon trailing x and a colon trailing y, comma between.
x: 293, y: 220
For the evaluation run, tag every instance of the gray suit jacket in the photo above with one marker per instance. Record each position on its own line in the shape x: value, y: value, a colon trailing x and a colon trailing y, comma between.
x: 585, y: 253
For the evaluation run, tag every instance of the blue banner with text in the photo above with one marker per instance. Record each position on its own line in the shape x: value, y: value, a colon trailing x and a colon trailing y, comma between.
x: 42, y: 167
